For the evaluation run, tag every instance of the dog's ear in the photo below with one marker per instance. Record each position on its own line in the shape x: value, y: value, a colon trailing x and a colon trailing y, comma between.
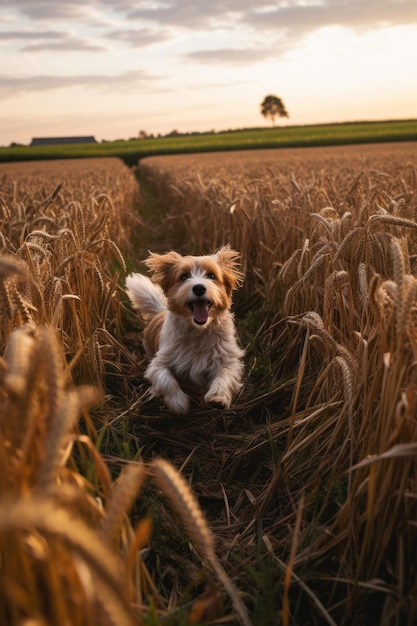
x: 161, y: 267
x: 228, y: 260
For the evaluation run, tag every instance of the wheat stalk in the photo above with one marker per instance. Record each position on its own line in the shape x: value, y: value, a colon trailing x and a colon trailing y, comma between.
x: 173, y: 485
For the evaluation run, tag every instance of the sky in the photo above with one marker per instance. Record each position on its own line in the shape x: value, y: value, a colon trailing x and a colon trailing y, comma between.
x: 114, y: 68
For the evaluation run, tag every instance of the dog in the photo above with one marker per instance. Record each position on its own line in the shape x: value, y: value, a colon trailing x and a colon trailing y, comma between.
x: 190, y: 335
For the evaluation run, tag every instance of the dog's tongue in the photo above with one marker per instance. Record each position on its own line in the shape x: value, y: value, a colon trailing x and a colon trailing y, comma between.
x: 200, y: 311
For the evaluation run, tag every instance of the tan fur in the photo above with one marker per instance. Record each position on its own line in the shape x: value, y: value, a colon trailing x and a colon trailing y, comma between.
x: 152, y: 333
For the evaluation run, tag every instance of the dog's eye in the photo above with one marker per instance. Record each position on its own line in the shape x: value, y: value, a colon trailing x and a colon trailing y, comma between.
x: 211, y: 276
x: 184, y: 277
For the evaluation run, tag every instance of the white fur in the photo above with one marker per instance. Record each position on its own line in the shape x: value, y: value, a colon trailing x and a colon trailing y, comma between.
x: 208, y: 355
x: 145, y: 296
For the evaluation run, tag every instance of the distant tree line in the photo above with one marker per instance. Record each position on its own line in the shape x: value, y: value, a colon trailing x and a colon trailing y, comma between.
x: 271, y: 107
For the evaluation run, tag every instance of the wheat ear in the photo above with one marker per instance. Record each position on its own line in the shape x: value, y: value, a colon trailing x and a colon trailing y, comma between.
x: 43, y: 516
x: 63, y: 421
x: 20, y: 357
x: 123, y: 494
x: 173, y: 485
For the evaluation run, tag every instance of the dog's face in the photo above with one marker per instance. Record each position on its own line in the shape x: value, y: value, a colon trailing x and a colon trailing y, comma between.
x: 198, y: 288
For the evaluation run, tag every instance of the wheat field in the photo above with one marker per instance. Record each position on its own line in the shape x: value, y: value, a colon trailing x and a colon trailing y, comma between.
x: 318, y: 460
x: 296, y: 506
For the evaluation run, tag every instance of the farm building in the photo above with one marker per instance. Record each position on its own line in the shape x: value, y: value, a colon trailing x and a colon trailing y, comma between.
x: 56, y: 141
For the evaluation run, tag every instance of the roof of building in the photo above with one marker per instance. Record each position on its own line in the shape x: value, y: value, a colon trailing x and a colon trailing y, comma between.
x: 54, y: 141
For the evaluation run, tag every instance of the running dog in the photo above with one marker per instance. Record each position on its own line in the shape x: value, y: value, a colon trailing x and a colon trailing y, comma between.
x: 189, y: 335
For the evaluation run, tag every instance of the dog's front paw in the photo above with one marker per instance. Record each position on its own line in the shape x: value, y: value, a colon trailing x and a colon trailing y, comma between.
x: 218, y: 399
x: 177, y: 402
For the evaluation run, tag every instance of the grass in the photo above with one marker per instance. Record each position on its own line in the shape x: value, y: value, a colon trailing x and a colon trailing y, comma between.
x: 289, y: 136
x: 296, y: 506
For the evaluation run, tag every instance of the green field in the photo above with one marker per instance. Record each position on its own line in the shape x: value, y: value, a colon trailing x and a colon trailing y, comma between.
x: 293, y: 136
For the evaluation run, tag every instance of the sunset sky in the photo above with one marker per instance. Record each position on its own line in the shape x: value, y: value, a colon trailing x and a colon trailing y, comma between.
x: 112, y: 68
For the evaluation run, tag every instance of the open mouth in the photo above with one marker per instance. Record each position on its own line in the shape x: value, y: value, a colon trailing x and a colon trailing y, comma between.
x: 200, y: 310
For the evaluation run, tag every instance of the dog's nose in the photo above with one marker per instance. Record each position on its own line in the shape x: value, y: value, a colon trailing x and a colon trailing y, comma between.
x: 199, y: 290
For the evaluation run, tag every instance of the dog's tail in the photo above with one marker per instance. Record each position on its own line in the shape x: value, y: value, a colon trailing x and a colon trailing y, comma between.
x: 145, y: 296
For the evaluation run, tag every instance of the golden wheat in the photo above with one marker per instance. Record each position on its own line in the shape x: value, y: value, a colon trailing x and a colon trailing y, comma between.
x: 329, y: 251
x: 328, y: 314
x: 56, y: 540
x: 67, y: 243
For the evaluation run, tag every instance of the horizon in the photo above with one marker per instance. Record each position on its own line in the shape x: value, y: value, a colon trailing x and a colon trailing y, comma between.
x: 114, y: 69
x: 174, y: 132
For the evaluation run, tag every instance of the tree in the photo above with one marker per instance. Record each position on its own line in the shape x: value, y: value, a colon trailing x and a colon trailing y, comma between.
x: 271, y: 106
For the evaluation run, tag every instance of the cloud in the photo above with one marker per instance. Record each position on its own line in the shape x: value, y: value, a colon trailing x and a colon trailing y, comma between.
x: 232, y: 56
x: 70, y: 45
x: 191, y: 14
x: 289, y: 24
x: 301, y: 19
x: 30, y: 34
x: 285, y: 22
x: 139, y: 38
x: 299, y: 16
x: 129, y: 82
x: 50, y: 9
x: 44, y: 41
